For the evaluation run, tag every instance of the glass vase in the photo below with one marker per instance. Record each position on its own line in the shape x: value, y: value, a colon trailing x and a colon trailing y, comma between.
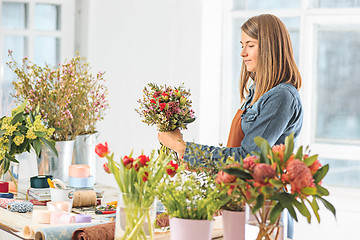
x: 135, y: 217
x: 261, y: 220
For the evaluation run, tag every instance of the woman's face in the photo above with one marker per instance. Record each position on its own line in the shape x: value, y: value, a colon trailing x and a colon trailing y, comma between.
x: 249, y: 52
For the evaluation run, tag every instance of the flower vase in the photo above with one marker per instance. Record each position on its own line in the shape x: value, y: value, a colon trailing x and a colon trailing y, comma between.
x: 265, y: 229
x: 12, y: 177
x: 190, y: 229
x: 135, y: 218
x: 84, y: 152
x: 57, y: 166
x: 233, y: 225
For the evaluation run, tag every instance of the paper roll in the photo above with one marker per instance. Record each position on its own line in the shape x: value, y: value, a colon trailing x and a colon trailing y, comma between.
x: 78, y: 182
x: 61, y: 218
x: 41, y: 216
x: 5, y: 201
x: 59, y: 232
x: 20, y: 207
x: 59, y: 206
x: 79, y: 171
x: 82, y: 218
x: 84, y: 198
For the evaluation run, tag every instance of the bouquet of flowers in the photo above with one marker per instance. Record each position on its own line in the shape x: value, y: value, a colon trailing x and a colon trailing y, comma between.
x: 166, y: 107
x: 275, y: 179
x: 19, y: 133
x: 138, y: 179
x: 70, y: 98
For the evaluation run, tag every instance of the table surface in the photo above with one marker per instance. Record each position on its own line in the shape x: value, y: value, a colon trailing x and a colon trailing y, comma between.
x: 14, y: 223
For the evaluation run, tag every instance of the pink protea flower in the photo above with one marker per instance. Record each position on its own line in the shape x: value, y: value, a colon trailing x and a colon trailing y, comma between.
x: 223, y: 177
x: 249, y: 163
x: 263, y: 172
x: 299, y: 175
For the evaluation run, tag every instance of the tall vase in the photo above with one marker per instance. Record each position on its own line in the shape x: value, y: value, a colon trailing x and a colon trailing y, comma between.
x: 265, y: 229
x: 57, y: 166
x: 190, y: 229
x: 84, y: 152
x: 134, y: 221
x: 233, y: 225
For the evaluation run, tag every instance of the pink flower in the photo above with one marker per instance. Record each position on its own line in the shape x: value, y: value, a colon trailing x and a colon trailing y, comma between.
x: 249, y: 163
x: 299, y: 175
x: 223, y: 177
x: 279, y: 151
x: 263, y: 172
x: 315, y: 166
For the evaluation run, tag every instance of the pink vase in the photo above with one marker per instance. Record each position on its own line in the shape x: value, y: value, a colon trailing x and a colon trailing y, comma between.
x: 190, y: 229
x: 233, y: 225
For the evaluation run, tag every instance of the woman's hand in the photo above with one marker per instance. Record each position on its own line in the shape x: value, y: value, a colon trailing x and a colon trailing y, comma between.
x: 173, y: 140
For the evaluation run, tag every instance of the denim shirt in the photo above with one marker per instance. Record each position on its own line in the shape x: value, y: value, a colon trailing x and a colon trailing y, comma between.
x: 274, y: 116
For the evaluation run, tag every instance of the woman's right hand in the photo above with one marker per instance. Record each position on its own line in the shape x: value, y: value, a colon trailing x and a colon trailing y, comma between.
x: 173, y: 140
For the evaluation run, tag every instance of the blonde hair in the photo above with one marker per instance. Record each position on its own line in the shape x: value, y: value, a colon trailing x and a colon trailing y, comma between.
x: 275, y: 62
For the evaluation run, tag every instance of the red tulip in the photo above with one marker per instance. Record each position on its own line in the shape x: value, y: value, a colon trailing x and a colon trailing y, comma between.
x: 172, y: 167
x: 106, y: 168
x: 128, y: 162
x: 145, y: 176
x: 102, y: 150
x: 143, y: 160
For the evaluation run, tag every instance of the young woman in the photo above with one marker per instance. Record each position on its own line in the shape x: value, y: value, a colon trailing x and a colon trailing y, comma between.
x: 269, y: 85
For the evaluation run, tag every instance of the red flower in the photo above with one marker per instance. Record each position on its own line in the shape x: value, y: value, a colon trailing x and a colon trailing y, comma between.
x: 249, y: 163
x: 145, y: 176
x: 172, y: 167
x: 143, y: 160
x: 315, y: 166
x: 263, y: 172
x: 102, y: 150
x: 128, y: 162
x: 299, y: 175
x: 279, y: 151
x: 153, y: 101
x: 106, y: 168
x: 162, y: 106
x: 223, y: 177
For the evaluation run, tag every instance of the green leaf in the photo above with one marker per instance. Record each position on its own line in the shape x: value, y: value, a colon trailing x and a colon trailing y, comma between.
x: 309, y: 191
x: 39, y: 134
x: 310, y: 160
x: 315, y: 208
x: 265, y: 149
x: 328, y: 205
x: 32, y: 117
x: 50, y: 145
x: 17, y: 133
x: 17, y: 118
x: 21, y: 108
x: 238, y: 173
x: 320, y: 174
x: 37, y: 146
x: 302, y: 209
x: 2, y: 132
x: 289, y: 146
x: 276, y: 183
x: 322, y: 191
x: 11, y: 158
x: 299, y: 153
x: 259, y: 203
x: 275, y: 212
x: 286, y: 201
x: 6, y: 164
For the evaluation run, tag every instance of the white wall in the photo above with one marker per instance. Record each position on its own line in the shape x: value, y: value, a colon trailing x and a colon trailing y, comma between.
x: 137, y: 42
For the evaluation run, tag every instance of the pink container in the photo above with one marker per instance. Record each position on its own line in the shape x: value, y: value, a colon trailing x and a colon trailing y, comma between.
x: 233, y: 225
x: 190, y: 229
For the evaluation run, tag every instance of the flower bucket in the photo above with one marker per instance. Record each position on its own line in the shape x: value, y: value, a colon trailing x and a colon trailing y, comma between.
x: 84, y: 152
x: 12, y: 177
x: 133, y: 221
x: 58, y: 167
x: 190, y: 229
x: 233, y: 225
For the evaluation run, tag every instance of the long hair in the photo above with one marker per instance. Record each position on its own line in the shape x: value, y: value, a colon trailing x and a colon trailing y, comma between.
x: 275, y: 62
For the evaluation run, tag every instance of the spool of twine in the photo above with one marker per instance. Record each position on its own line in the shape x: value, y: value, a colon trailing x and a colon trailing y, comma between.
x: 84, y: 198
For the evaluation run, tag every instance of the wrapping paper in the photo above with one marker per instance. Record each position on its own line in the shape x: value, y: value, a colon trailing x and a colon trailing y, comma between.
x: 103, y: 231
x: 59, y: 231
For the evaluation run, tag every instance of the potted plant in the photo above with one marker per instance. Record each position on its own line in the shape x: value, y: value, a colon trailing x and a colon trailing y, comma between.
x: 276, y: 179
x: 138, y: 179
x: 70, y: 99
x: 233, y: 212
x: 191, y: 201
x: 21, y: 132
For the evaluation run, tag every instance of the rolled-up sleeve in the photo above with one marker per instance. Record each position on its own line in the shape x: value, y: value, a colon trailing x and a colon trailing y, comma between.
x: 276, y: 111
